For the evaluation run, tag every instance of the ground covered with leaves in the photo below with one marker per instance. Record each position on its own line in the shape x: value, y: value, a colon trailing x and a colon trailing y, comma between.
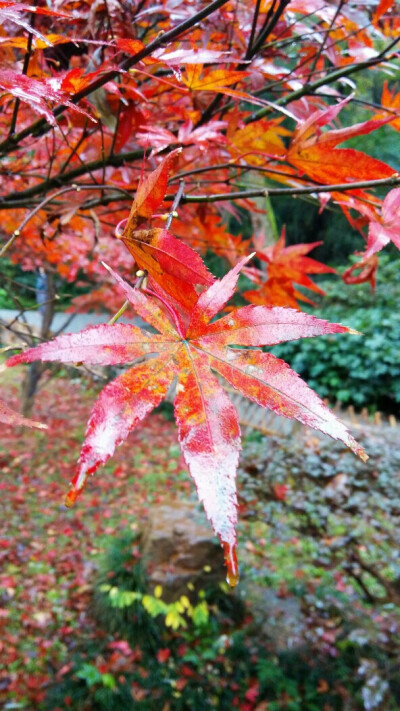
x: 46, y: 549
x: 318, y: 538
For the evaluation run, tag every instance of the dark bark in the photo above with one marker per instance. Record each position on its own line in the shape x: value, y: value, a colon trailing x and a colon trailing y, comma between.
x: 35, y: 370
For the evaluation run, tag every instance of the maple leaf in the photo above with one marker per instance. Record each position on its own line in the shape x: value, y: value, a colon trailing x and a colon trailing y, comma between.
x: 37, y: 93
x: 258, y: 140
x: 368, y: 269
x: 212, y: 80
x: 11, y: 12
x: 131, y: 46
x: 383, y: 7
x: 150, y: 194
x: 192, y: 56
x: 220, y: 81
x: 391, y: 100
x: 10, y: 417
x: 37, y: 43
x: 160, y: 138
x: 169, y: 262
x: 385, y: 228
x: 286, y: 266
x: 314, y: 153
x: 280, y: 491
x: 207, y: 421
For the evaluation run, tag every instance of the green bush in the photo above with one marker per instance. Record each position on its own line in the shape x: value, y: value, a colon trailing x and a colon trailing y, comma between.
x: 120, y: 570
x: 360, y: 370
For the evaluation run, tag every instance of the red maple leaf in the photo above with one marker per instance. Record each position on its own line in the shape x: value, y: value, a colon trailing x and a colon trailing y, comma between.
x: 207, y: 421
x: 37, y: 93
x: 314, y: 152
x: 286, y: 266
x: 368, y: 268
x: 280, y: 491
x: 385, y: 228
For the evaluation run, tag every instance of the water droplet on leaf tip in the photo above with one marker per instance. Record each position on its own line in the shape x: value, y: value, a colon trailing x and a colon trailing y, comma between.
x: 232, y: 572
x: 232, y: 578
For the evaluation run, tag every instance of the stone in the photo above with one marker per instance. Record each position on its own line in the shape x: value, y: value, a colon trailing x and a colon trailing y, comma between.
x: 179, y: 548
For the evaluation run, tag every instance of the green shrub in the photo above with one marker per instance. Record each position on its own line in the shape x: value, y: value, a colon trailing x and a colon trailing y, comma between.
x: 360, y: 370
x: 120, y: 571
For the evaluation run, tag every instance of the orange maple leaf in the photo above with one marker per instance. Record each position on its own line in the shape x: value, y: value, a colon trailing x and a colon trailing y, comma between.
x: 286, y: 266
x: 314, y: 152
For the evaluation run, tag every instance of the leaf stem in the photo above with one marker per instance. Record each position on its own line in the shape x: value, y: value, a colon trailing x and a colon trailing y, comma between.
x: 119, y: 313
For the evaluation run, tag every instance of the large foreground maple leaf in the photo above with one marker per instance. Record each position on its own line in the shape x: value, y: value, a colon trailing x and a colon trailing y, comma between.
x: 207, y: 421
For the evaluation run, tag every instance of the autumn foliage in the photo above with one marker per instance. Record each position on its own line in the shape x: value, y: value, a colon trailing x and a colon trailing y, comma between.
x: 181, y: 108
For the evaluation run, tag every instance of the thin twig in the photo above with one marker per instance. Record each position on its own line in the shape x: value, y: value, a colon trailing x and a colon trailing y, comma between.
x: 269, y: 27
x: 308, y: 89
x: 24, y: 309
x: 175, y: 204
x: 325, y: 37
x: 265, y: 192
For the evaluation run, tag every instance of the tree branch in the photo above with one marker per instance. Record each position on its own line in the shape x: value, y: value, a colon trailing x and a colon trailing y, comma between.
x: 265, y: 192
x: 66, y: 178
x: 253, y: 29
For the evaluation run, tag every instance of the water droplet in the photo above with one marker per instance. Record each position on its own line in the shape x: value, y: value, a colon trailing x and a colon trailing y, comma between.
x: 232, y: 570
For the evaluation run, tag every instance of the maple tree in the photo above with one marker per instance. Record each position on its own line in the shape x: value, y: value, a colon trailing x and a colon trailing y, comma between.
x: 180, y: 109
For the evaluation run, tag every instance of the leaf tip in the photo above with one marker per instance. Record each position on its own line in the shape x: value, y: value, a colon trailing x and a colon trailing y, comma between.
x: 354, y: 332
x: 71, y: 498
x: 77, y: 485
x: 358, y: 449
x: 41, y: 425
